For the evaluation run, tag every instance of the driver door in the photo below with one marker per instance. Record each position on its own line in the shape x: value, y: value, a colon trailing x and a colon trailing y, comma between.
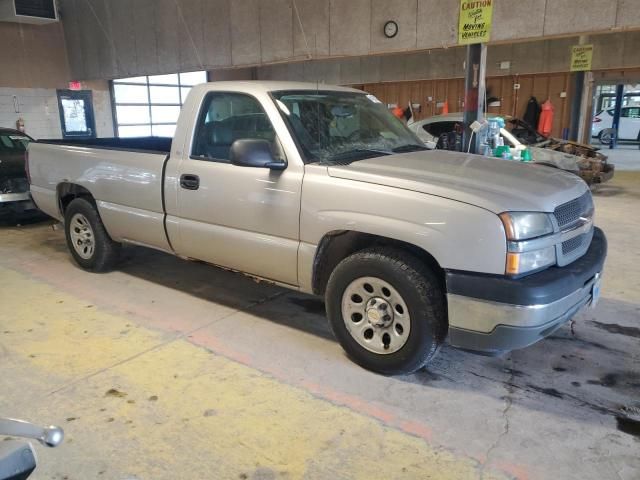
x: 242, y: 218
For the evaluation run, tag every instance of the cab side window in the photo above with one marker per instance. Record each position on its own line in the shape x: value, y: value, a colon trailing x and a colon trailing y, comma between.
x: 631, y: 112
x: 225, y: 118
x: 438, y: 128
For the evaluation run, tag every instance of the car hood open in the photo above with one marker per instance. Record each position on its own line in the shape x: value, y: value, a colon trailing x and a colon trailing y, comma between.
x: 490, y: 183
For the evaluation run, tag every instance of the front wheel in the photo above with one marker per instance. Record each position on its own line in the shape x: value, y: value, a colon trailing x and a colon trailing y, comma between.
x: 387, y: 309
x: 89, y: 243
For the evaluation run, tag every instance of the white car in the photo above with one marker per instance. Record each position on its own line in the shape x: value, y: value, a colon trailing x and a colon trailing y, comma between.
x: 429, y: 129
x: 629, y: 128
x: 592, y: 167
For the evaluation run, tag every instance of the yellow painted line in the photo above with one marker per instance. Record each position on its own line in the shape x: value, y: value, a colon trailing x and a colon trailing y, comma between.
x: 188, y: 413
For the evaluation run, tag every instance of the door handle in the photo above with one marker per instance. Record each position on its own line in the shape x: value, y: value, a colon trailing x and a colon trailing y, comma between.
x: 189, y: 181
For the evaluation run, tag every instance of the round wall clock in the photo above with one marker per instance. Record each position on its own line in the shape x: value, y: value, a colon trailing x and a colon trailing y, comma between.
x: 390, y: 29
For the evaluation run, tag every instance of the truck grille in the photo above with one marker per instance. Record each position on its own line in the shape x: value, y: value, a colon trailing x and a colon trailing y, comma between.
x: 572, y: 215
x: 569, y: 213
x: 575, y: 243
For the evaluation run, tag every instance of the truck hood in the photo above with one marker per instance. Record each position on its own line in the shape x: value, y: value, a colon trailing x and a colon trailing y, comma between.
x: 561, y: 160
x: 490, y: 183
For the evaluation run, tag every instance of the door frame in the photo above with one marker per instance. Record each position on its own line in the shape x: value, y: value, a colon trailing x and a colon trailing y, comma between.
x: 86, y: 95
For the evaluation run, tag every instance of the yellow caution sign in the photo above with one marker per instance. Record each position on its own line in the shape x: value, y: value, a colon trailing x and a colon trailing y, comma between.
x: 475, y: 21
x: 581, y: 57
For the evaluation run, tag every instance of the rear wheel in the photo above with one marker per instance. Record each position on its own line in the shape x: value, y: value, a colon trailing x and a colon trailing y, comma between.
x: 605, y: 136
x: 387, y: 309
x: 89, y: 243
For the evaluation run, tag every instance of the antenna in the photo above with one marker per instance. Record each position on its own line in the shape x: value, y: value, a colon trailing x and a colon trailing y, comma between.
x: 108, y: 37
x: 304, y: 35
x: 188, y: 31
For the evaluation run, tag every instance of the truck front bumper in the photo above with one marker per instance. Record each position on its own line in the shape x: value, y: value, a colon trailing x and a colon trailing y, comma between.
x: 494, y: 313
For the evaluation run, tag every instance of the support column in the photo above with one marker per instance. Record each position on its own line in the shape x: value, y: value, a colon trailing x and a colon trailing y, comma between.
x: 586, y: 110
x: 578, y: 107
x: 617, y: 110
x: 474, y: 92
x: 576, y: 103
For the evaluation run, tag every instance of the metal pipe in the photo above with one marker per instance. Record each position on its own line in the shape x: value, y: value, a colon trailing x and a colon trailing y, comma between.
x: 474, y: 94
x: 49, y: 436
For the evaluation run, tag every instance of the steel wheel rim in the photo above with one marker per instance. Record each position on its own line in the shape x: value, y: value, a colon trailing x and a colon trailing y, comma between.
x: 82, y: 237
x: 365, y: 304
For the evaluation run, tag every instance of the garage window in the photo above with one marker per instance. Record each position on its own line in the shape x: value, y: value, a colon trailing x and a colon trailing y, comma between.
x: 149, y: 105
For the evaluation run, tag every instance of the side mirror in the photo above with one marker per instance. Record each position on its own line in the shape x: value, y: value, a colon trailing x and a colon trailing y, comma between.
x: 253, y: 152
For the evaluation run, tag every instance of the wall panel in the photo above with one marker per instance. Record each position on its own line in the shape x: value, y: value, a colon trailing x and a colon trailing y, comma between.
x: 158, y: 37
x: 512, y: 102
x: 191, y: 34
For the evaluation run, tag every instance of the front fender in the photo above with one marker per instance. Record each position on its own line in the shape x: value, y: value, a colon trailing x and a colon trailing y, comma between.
x: 459, y: 236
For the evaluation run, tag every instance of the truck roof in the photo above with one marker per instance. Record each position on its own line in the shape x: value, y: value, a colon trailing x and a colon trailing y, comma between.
x: 255, y: 86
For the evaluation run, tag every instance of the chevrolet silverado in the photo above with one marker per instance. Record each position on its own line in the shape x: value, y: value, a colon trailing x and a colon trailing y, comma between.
x: 320, y: 189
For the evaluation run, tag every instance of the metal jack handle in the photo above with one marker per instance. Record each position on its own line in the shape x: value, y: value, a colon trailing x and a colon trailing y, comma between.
x: 48, y: 436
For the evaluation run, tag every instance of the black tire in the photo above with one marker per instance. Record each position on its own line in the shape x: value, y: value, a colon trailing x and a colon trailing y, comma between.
x: 420, y: 289
x: 106, y: 252
x: 604, y: 137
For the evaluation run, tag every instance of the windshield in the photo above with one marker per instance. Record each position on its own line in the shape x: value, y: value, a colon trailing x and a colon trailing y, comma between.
x: 341, y: 127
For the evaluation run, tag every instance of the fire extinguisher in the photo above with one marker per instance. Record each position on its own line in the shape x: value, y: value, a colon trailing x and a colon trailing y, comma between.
x: 20, y: 124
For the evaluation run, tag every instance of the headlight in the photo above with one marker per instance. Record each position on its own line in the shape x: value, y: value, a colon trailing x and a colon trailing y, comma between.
x: 519, y: 263
x: 526, y: 225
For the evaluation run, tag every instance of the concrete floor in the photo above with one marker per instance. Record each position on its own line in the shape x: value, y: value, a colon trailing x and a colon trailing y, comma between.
x: 167, y: 369
x: 626, y: 156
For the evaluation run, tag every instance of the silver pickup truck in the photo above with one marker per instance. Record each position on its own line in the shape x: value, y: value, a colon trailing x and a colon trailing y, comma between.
x: 320, y: 189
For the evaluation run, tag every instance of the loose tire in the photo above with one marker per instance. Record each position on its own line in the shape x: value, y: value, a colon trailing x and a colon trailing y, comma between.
x: 387, y: 310
x: 87, y: 239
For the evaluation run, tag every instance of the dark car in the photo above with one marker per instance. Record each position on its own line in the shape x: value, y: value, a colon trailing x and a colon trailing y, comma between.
x: 15, y: 199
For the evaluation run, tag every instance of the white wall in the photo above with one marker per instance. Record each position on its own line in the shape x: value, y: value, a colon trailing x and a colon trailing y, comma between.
x: 103, y: 114
x: 38, y: 107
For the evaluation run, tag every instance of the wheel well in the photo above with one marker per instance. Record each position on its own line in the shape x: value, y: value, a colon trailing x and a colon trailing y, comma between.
x: 336, y: 246
x: 70, y: 191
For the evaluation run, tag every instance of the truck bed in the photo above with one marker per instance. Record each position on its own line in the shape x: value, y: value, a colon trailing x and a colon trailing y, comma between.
x: 134, y: 144
x: 124, y: 175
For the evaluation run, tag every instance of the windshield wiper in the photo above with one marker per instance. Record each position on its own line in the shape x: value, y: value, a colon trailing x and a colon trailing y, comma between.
x: 352, y: 155
x: 410, y: 147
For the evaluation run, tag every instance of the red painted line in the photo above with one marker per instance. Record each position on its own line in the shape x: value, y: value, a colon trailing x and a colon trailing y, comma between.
x: 517, y: 471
